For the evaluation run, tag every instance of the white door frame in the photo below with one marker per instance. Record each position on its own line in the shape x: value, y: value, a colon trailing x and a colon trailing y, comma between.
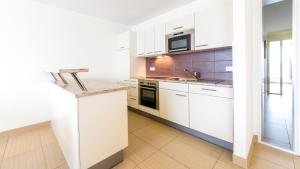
x: 258, y: 72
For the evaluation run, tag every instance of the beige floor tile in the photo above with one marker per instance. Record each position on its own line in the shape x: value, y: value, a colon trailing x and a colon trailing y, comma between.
x: 160, y: 161
x: 126, y: 164
x: 29, y: 160
x: 136, y: 122
x: 157, y: 135
x: 3, y: 143
x: 259, y: 163
x: 297, y: 162
x: 47, y: 136
x: 188, y: 155
x: 278, y: 157
x: 166, y: 130
x: 200, y: 145
x: 64, y: 166
x: 23, y: 142
x: 222, y: 165
x: 225, y: 161
x: 53, y: 155
x: 138, y: 150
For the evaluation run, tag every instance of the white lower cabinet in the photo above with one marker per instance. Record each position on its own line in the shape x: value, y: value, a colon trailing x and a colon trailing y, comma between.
x: 212, y: 115
x: 133, y: 102
x: 174, y: 106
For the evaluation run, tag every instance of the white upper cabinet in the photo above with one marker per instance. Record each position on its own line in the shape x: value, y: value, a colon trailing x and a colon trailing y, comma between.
x: 140, y: 42
x: 180, y: 24
x: 160, y: 39
x: 213, y: 26
x: 149, y: 41
x: 123, y: 41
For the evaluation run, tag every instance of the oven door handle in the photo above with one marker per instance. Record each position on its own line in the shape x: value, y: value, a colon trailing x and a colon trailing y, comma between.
x: 148, y: 88
x: 177, y: 50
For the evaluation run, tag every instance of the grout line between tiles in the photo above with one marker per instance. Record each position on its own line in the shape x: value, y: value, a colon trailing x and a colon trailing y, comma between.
x: 44, y: 154
x: 174, y: 159
x: 2, y: 158
x: 262, y: 158
x: 218, y: 159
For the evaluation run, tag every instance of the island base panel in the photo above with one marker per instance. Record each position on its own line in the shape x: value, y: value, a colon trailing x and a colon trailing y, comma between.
x: 109, y: 162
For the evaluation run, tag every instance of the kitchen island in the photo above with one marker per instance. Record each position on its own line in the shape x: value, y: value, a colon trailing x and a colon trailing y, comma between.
x: 90, y: 125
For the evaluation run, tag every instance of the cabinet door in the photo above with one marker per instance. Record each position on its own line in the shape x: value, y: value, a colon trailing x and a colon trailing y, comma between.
x: 213, y: 26
x: 180, y: 24
x: 174, y: 106
x: 149, y: 41
x: 140, y: 43
x: 160, y: 39
x: 123, y: 41
x: 212, y: 115
x: 123, y: 64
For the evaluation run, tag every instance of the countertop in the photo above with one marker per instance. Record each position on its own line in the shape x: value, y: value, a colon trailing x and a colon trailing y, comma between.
x: 219, y: 83
x: 94, y: 87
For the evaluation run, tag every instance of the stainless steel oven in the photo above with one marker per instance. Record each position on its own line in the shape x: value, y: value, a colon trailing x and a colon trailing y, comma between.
x: 181, y: 41
x: 148, y: 93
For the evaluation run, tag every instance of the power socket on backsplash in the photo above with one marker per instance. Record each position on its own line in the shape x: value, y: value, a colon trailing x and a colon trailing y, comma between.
x: 228, y: 68
x: 152, y: 68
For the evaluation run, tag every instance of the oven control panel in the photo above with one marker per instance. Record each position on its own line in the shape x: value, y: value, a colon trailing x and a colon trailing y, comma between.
x: 151, y: 83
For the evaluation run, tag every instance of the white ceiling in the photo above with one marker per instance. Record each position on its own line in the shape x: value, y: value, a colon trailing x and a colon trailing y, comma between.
x: 127, y: 12
x: 269, y: 2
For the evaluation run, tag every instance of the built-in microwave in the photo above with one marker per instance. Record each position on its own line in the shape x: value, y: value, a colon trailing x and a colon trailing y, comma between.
x: 181, y: 41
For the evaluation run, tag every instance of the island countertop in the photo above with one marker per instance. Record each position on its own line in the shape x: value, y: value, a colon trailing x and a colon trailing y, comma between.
x: 94, y: 87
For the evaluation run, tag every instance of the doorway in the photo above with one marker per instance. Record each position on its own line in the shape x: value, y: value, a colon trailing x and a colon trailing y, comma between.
x: 278, y: 127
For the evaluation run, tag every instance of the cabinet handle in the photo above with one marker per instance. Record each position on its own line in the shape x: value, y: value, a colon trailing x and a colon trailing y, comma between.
x: 122, y: 47
x: 140, y: 53
x: 181, y: 95
x: 149, y: 53
x: 132, y: 99
x: 158, y: 51
x: 202, y: 45
x: 133, y: 87
x: 212, y: 90
x: 180, y: 27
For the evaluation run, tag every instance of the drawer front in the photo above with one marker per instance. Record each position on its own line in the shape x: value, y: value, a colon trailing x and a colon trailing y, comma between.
x: 174, y: 86
x: 133, y: 102
x: 131, y: 81
x: 211, y: 90
x: 133, y: 91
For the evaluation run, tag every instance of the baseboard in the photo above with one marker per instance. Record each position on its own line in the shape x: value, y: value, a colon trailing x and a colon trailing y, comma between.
x: 26, y: 128
x: 245, y: 163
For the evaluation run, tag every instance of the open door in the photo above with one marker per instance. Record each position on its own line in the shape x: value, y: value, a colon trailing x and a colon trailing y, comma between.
x: 278, y: 95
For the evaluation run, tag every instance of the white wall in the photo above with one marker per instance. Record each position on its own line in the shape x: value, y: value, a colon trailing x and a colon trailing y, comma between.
x: 296, y: 72
x: 242, y: 76
x: 277, y: 17
x: 36, y: 37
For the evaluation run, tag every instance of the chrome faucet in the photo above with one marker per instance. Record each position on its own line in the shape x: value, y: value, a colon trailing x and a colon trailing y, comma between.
x: 196, y: 75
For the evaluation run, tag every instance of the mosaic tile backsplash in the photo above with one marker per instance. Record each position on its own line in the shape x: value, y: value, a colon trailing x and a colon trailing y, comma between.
x: 211, y: 64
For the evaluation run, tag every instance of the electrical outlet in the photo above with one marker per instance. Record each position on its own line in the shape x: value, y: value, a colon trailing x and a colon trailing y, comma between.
x: 152, y: 68
x: 229, y: 68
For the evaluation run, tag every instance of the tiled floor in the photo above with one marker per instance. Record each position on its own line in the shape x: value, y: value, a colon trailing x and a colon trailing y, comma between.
x: 151, y: 146
x: 278, y: 115
x: 34, y: 149
x: 156, y: 146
